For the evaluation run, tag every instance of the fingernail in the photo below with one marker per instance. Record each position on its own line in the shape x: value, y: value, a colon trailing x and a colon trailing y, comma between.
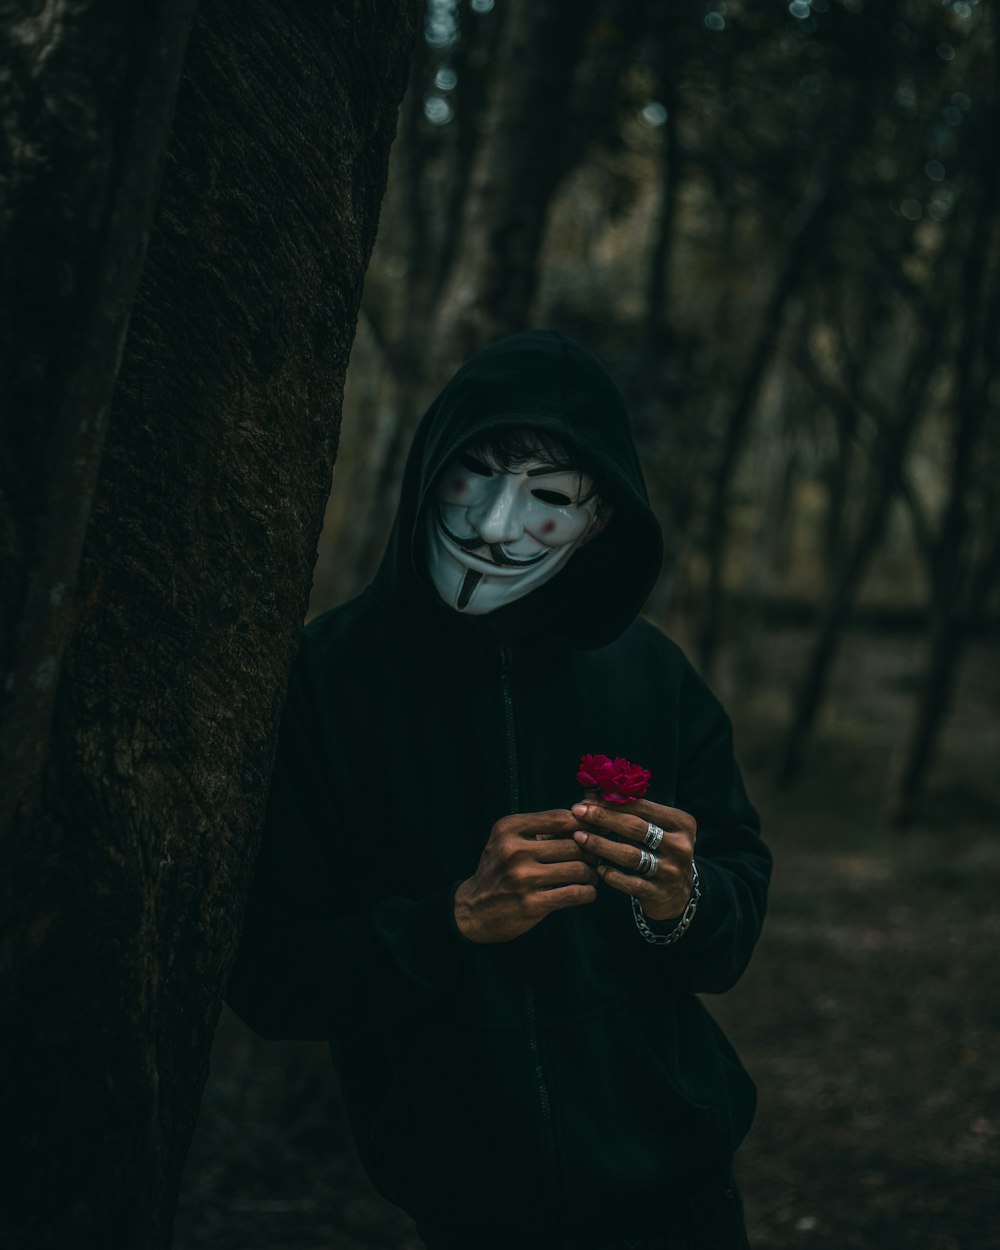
x: 580, y: 836
x: 580, y: 809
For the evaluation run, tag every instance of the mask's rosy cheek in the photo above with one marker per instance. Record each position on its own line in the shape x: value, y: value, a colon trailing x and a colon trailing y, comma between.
x: 453, y: 490
x: 557, y: 531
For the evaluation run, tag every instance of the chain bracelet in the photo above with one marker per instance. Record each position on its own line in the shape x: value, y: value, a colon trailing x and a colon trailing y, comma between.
x: 667, y: 939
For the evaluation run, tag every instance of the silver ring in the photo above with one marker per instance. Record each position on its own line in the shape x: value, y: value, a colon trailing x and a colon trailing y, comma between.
x: 653, y: 837
x: 648, y: 864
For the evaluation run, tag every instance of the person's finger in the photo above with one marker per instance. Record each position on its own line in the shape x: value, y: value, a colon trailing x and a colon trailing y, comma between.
x: 545, y: 876
x: 621, y: 824
x: 645, y: 891
x: 545, y: 901
x: 626, y: 824
x: 625, y: 854
x: 531, y: 824
x: 671, y: 819
x: 553, y: 855
x: 672, y: 855
x: 554, y: 851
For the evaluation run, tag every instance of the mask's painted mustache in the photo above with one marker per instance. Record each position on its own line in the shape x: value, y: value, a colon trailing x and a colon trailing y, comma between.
x: 475, y: 543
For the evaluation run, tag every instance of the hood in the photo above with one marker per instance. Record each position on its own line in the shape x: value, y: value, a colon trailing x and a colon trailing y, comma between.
x: 539, y: 380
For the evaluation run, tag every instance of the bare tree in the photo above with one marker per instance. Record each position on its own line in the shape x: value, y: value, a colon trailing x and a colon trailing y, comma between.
x: 897, y: 428
x: 964, y: 557
x: 805, y: 234
x: 493, y: 264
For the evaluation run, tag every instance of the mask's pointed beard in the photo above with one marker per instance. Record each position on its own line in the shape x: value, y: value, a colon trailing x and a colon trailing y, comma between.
x: 469, y: 583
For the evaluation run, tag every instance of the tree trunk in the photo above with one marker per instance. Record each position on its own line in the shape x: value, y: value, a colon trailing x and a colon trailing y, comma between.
x: 959, y: 585
x: 517, y: 166
x: 779, y: 415
x: 897, y: 436
x: 86, y: 106
x: 810, y: 220
x: 657, y: 329
x: 855, y: 350
x: 947, y: 646
x: 124, y: 871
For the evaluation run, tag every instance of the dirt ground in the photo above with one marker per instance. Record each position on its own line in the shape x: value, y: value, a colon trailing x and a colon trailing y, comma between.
x: 870, y: 1017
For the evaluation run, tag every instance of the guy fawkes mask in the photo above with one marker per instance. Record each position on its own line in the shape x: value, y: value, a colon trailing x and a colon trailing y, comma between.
x: 496, y: 531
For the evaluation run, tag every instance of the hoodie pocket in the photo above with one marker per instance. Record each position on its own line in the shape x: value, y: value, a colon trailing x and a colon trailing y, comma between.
x: 457, y: 1127
x: 636, y: 1116
x: 717, y: 1221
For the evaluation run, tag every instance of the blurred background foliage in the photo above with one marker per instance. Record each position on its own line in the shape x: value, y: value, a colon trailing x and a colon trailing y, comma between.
x: 778, y: 226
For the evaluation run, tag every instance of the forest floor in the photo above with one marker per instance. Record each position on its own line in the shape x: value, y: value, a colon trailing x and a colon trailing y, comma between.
x: 870, y: 1017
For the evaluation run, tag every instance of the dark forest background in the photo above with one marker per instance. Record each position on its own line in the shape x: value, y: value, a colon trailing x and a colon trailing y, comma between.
x: 778, y: 225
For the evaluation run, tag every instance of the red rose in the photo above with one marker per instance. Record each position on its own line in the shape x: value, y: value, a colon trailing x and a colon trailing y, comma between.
x: 619, y: 780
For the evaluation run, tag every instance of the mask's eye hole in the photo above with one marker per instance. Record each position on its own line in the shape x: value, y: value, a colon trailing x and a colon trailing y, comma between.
x: 475, y: 465
x: 555, y: 497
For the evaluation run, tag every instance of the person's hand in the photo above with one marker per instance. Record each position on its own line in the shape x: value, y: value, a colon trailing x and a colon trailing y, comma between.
x: 615, y: 834
x: 529, y: 867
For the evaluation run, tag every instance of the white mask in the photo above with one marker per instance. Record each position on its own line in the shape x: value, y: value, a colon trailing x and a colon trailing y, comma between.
x: 495, y: 534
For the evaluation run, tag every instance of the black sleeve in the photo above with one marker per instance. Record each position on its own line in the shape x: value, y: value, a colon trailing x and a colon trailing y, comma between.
x: 733, y: 863
x: 309, y: 965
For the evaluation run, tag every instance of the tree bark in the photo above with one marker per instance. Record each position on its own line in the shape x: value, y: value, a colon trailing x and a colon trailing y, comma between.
x: 124, y: 871
x: 949, y: 636
x: 86, y: 106
x: 517, y: 165
x: 896, y: 439
x: 960, y: 584
x: 810, y: 222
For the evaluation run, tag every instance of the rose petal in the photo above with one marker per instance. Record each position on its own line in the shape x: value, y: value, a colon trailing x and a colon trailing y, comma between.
x: 619, y: 779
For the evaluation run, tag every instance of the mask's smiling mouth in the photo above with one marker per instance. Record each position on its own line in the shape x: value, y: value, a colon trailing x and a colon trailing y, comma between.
x: 475, y: 548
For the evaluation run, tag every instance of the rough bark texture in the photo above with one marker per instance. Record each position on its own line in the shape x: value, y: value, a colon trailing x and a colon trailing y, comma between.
x: 86, y: 98
x: 123, y: 884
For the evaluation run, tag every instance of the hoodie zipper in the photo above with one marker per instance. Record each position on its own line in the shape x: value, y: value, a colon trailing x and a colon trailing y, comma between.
x: 513, y: 789
x: 514, y: 800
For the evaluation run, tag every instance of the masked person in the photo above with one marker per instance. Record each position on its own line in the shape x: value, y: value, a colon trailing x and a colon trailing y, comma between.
x: 507, y: 976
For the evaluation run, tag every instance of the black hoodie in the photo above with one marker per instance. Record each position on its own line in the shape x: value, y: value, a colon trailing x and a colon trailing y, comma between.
x: 568, y: 1082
